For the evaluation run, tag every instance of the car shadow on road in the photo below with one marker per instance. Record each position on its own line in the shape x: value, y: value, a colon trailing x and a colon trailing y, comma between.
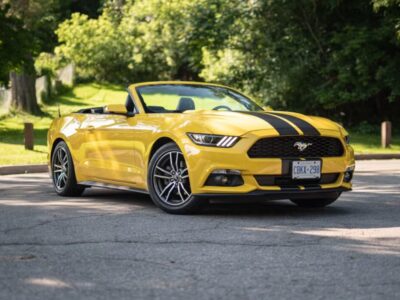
x: 270, y: 208
x: 228, y: 208
x: 41, y: 194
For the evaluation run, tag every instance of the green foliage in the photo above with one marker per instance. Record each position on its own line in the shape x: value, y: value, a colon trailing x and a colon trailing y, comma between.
x: 96, y: 46
x: 365, y: 128
x: 320, y: 57
x: 14, y: 43
x: 27, y: 28
x: 47, y: 64
x: 323, y: 57
x: 143, y: 40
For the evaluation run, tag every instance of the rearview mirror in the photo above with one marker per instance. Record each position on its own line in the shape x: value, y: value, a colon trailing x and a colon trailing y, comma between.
x: 118, y: 109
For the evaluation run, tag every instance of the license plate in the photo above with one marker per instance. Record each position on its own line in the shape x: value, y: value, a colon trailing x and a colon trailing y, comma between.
x: 306, y: 169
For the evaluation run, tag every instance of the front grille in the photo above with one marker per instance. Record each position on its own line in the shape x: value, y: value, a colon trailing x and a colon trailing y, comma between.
x: 284, y: 147
x: 287, y: 181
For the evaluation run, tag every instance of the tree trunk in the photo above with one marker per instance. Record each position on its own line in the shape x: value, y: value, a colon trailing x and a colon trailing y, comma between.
x: 23, y: 92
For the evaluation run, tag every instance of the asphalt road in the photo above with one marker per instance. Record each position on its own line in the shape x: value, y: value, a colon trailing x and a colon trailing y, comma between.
x: 113, y: 245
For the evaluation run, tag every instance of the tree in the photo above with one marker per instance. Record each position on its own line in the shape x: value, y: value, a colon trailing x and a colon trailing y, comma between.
x: 142, y: 40
x: 13, y: 43
x: 36, y: 21
x: 320, y: 57
x: 96, y: 46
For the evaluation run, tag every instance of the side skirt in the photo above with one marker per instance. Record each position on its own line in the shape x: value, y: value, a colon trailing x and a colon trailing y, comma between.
x: 112, y: 186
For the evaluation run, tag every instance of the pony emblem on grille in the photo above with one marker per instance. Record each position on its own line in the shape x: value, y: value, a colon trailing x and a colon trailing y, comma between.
x: 301, y: 146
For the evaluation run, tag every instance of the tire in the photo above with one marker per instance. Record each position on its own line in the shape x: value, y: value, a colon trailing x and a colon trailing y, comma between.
x: 63, y: 172
x: 316, y: 203
x: 168, y: 182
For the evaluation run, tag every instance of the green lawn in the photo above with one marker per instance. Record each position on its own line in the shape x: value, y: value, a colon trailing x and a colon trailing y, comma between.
x: 12, y: 150
x: 371, y: 143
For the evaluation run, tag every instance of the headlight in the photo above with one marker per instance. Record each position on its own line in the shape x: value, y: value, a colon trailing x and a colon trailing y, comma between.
x: 223, y: 141
x: 347, y: 139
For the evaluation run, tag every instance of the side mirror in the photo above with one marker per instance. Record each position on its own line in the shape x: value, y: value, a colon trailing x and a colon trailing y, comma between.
x: 118, y: 109
x: 267, y: 108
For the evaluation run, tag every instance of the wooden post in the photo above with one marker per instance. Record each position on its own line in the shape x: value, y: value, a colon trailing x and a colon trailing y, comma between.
x: 386, y: 134
x: 28, y: 136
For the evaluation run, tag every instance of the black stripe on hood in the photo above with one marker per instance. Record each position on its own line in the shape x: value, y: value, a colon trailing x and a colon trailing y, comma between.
x: 304, y: 126
x: 283, y: 127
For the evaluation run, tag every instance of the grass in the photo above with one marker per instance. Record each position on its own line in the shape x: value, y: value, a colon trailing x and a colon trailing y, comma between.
x: 12, y: 150
x: 371, y: 143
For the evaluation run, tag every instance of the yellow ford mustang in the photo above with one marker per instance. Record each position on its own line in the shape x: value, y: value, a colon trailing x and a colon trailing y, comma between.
x: 187, y: 142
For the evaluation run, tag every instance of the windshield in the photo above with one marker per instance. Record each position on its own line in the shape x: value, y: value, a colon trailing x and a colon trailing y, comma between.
x: 167, y: 98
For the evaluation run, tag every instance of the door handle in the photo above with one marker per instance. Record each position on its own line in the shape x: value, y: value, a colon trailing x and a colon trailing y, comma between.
x: 90, y: 128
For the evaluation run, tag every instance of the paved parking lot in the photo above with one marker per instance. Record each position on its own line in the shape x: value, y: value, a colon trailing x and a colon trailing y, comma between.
x: 109, y: 244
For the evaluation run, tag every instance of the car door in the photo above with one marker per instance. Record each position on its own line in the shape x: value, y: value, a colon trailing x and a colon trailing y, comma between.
x: 109, y: 149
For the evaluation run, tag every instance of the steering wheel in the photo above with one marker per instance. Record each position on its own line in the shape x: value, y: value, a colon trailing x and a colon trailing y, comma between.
x: 222, y: 107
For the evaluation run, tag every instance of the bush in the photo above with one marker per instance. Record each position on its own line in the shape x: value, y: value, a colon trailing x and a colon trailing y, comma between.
x: 365, y: 128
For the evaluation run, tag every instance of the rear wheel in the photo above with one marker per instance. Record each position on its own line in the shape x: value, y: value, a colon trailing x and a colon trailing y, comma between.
x: 316, y: 203
x: 63, y: 173
x: 168, y: 181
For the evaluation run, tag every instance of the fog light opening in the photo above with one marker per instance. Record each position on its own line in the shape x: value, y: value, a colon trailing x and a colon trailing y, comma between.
x: 348, y: 175
x: 224, y: 178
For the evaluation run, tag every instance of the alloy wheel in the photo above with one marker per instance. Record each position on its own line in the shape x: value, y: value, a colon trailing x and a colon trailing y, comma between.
x: 171, y: 178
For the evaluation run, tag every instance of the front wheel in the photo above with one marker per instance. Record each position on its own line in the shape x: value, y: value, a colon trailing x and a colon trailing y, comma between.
x: 316, y: 203
x: 168, y: 182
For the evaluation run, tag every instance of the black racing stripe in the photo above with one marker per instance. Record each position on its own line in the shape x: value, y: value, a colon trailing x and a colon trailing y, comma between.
x: 304, y: 126
x: 283, y: 127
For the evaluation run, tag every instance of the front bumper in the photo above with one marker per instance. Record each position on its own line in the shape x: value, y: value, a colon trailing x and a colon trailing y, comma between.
x: 202, y: 161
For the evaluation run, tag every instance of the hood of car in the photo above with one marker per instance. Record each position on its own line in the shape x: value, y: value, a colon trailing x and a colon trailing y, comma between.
x: 239, y: 123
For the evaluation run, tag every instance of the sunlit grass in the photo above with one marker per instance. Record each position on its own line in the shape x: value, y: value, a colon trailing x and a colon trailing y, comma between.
x: 371, y: 143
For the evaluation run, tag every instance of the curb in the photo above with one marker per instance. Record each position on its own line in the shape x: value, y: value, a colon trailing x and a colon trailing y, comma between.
x: 23, y: 169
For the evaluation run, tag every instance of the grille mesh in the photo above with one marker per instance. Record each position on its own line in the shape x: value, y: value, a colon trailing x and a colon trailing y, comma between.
x: 283, y: 147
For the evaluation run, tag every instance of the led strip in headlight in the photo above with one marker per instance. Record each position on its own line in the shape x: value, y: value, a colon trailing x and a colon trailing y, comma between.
x: 212, y: 140
x: 227, y: 141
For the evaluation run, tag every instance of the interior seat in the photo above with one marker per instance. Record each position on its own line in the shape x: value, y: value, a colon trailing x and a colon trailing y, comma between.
x: 185, y: 103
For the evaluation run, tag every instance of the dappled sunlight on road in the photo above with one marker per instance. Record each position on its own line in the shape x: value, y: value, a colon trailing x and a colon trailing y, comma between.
x: 356, y: 233
x: 382, y: 241
x: 48, y: 282
x: 371, y: 240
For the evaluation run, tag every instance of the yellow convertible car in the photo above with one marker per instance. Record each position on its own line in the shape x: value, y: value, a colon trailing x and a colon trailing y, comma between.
x: 185, y: 143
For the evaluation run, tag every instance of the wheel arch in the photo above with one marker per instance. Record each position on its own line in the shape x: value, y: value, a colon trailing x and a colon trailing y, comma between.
x: 161, y: 141
x: 55, y: 143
